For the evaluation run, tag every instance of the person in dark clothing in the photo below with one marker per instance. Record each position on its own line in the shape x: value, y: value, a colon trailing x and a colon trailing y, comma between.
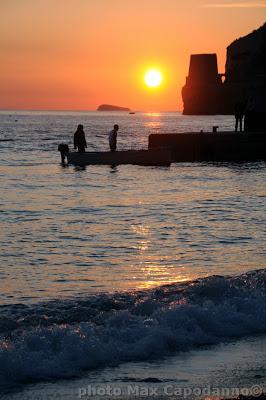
x: 239, y: 115
x: 79, y: 139
x: 113, y: 138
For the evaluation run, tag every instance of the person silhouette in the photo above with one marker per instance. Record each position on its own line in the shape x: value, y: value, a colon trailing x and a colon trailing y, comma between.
x: 113, y: 138
x: 239, y: 114
x: 79, y: 139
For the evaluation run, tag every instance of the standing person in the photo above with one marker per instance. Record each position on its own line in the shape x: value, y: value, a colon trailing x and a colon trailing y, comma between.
x: 239, y: 115
x: 113, y: 138
x: 79, y: 139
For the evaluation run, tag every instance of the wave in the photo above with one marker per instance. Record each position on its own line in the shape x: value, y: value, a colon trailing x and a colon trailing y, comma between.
x: 62, y: 338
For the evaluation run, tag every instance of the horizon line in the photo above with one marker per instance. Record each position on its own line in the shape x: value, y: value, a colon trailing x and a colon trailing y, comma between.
x: 83, y: 110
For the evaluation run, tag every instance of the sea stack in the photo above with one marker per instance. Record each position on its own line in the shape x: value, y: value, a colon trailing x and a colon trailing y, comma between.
x: 203, y: 89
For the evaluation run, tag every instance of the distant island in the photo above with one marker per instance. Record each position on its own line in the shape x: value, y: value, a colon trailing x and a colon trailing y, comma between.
x: 109, y: 107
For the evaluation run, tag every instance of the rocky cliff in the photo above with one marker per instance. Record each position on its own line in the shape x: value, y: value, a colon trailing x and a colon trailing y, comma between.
x: 246, y: 58
x: 245, y: 70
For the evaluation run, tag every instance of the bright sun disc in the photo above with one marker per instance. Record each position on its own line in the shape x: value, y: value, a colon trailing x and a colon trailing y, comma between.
x: 153, y: 78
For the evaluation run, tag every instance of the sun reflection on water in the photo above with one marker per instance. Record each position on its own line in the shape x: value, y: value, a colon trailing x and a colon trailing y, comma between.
x: 153, y: 124
x: 70, y: 232
x: 154, y: 121
x: 153, y: 114
x: 141, y: 229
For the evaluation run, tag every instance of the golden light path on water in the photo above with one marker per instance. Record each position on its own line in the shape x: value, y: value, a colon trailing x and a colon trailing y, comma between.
x: 102, y: 229
x: 73, y: 237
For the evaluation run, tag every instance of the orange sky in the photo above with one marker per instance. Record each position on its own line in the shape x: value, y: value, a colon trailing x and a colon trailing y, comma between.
x: 77, y: 54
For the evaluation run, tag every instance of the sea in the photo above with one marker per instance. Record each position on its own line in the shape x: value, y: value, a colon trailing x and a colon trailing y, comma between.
x: 128, y: 281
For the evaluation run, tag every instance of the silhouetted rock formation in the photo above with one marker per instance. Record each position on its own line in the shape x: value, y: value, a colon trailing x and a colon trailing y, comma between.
x: 203, y: 85
x: 109, y: 107
x: 245, y: 81
x: 245, y: 71
x: 246, y: 59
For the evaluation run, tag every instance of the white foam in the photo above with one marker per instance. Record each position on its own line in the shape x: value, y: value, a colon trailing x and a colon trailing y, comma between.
x: 60, y: 339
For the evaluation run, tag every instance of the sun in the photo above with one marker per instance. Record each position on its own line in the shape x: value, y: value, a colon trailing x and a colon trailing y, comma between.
x: 153, y: 78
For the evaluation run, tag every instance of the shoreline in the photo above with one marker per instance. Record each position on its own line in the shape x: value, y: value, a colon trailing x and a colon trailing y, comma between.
x: 215, y: 372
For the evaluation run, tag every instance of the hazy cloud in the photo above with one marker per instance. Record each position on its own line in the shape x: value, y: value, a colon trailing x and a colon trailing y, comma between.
x: 236, y: 4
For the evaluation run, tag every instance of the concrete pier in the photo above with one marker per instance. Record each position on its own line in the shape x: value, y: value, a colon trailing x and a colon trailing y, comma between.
x: 219, y: 146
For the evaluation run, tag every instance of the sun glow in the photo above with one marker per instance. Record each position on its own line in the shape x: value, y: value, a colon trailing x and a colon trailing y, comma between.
x: 153, y: 78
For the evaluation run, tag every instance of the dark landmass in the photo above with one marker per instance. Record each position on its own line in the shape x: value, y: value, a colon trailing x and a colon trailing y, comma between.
x: 244, y: 81
x: 109, y: 107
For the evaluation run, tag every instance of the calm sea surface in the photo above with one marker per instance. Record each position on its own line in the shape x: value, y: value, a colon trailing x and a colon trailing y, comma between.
x: 65, y: 231
x: 85, y: 255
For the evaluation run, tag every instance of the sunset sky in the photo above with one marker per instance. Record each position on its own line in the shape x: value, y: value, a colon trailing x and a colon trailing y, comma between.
x: 77, y: 54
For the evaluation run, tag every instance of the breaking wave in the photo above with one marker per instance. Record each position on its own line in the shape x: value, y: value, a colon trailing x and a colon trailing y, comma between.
x: 62, y: 338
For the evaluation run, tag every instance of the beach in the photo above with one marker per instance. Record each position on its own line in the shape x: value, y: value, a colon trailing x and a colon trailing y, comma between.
x: 127, y: 275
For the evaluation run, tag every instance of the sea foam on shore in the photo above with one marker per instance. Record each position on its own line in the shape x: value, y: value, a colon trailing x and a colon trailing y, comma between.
x: 62, y: 338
